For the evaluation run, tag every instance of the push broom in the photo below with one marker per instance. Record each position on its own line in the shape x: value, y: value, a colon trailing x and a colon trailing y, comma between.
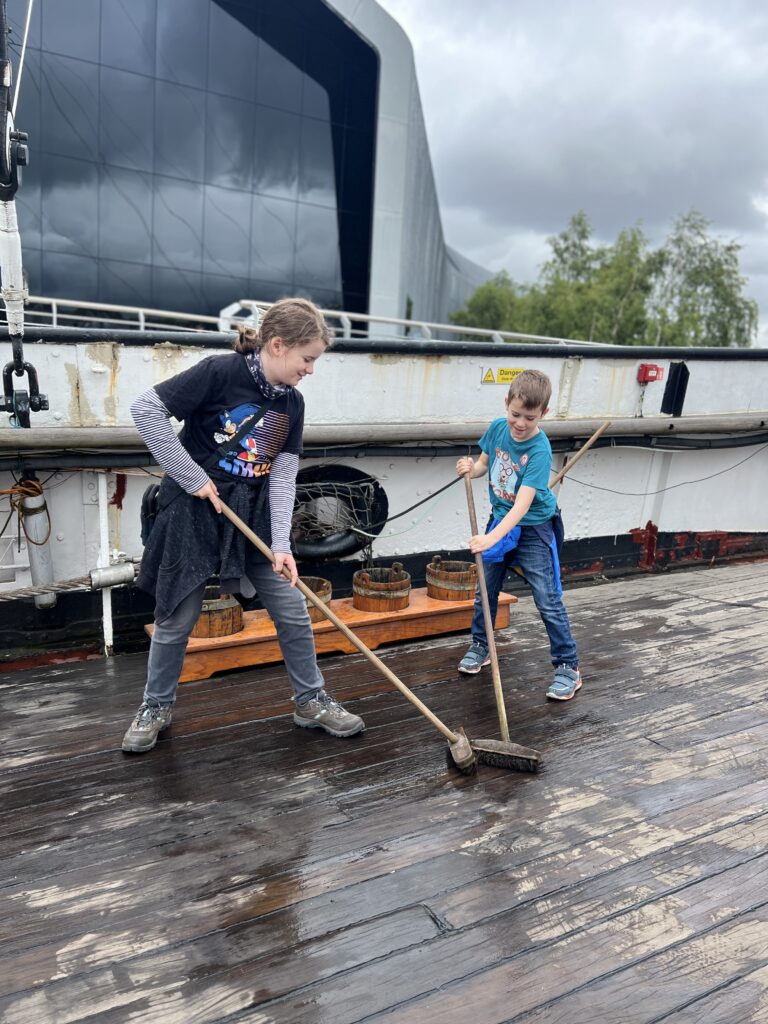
x: 460, y: 754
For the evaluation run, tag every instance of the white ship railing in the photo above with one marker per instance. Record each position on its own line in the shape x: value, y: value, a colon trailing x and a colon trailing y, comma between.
x: 42, y: 311
x: 357, y: 325
x: 55, y: 312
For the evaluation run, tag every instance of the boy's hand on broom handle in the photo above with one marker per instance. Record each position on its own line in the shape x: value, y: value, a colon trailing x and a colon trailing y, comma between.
x: 481, y: 542
x: 465, y: 466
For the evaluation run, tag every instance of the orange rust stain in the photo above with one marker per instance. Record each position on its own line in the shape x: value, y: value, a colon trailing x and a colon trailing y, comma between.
x: 647, y: 539
x: 121, y: 482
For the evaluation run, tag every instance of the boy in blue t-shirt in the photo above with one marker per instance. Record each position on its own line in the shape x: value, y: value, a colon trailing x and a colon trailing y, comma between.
x: 525, y: 526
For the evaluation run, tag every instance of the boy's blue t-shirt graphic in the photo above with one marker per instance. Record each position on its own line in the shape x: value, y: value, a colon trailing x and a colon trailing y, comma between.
x: 512, y: 465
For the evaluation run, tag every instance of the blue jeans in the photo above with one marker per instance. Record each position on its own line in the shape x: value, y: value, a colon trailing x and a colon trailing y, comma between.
x: 287, y: 608
x: 535, y: 559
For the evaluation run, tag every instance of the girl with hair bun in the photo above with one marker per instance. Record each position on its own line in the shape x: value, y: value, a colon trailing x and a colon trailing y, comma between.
x: 253, y: 469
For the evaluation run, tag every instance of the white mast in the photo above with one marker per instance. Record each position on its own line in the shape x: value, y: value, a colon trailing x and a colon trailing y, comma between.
x: 13, y: 156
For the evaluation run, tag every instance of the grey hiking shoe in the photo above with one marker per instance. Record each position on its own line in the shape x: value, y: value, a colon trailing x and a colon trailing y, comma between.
x: 145, y: 728
x: 323, y: 712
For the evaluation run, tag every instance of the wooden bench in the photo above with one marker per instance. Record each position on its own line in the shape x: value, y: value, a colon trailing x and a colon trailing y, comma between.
x: 256, y: 643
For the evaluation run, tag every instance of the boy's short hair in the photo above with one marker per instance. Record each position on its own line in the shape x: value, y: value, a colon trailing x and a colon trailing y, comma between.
x: 533, y: 388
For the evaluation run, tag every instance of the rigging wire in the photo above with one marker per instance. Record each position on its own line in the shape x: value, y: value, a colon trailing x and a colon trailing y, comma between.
x: 21, y: 60
x: 639, y: 494
x: 351, y: 523
x: 418, y: 522
x: 672, y: 487
x: 60, y: 587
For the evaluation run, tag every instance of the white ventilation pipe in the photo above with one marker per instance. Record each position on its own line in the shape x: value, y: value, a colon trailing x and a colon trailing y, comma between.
x: 34, y: 511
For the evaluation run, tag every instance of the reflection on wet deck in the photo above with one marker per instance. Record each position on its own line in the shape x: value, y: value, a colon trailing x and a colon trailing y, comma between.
x: 247, y: 870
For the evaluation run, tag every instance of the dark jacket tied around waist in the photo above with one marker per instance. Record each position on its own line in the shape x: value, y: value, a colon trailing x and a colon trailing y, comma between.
x: 190, y: 541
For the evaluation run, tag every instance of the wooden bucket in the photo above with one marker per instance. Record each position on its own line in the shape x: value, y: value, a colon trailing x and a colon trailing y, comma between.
x: 381, y: 590
x: 221, y: 615
x: 451, y: 581
x: 322, y: 588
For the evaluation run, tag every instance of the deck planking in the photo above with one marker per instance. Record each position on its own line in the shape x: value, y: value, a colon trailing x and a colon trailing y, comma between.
x: 247, y: 870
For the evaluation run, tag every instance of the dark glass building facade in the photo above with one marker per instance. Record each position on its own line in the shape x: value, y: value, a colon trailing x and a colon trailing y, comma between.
x: 188, y: 153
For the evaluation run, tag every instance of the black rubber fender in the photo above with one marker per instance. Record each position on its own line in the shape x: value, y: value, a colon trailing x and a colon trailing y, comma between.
x: 370, y: 518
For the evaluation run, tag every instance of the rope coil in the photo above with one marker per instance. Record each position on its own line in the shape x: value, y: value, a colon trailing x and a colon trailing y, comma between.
x: 21, y: 490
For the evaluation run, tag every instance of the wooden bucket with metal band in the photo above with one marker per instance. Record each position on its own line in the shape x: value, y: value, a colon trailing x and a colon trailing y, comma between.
x: 221, y: 615
x: 451, y: 581
x: 381, y: 590
x: 323, y: 589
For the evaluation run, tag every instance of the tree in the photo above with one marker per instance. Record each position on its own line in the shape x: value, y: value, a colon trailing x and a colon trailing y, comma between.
x: 495, y: 304
x: 620, y: 290
x: 697, y: 297
x: 687, y: 292
x: 573, y: 258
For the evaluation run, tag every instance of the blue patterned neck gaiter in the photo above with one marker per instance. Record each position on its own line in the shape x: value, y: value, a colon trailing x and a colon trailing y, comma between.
x: 253, y: 362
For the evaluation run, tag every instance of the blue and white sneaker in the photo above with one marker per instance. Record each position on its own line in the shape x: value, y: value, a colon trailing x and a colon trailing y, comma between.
x: 565, y: 684
x: 477, y: 657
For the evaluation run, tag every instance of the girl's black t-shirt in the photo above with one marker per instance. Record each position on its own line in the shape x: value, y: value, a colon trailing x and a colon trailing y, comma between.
x: 213, y: 398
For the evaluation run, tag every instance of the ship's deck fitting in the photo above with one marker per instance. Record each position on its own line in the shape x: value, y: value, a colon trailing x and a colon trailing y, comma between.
x: 247, y: 870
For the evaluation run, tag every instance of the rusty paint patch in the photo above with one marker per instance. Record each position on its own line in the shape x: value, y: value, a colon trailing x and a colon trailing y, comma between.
x: 112, y: 399
x: 88, y: 653
x: 121, y: 483
x: 103, y: 354
x: 596, y: 568
x: 722, y: 545
x: 397, y: 359
x: 647, y: 539
x: 689, y: 547
x: 100, y: 352
x: 75, y: 417
x: 168, y: 360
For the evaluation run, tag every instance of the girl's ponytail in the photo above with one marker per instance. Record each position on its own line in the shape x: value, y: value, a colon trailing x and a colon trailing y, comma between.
x: 248, y: 339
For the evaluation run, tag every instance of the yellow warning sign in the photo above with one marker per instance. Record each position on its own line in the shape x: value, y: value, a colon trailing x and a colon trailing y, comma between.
x: 503, y: 375
x: 507, y: 374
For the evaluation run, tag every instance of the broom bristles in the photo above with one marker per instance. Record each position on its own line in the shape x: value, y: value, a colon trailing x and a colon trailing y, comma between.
x: 507, y: 755
x: 460, y: 754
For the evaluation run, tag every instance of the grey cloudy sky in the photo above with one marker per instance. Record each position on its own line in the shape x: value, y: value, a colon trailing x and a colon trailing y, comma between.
x: 634, y: 112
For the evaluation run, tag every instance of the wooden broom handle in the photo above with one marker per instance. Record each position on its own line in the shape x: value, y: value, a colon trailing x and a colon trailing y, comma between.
x: 498, y: 693
x: 342, y: 627
x: 584, y: 448
x: 497, y: 690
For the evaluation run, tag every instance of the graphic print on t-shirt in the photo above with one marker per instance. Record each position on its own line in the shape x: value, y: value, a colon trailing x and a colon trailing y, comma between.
x: 258, y: 448
x: 504, y: 476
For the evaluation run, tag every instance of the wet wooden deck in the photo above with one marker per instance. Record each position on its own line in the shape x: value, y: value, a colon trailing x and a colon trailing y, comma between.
x: 246, y: 870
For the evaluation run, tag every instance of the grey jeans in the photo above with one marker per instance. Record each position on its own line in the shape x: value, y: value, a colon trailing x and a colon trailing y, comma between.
x: 287, y: 608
